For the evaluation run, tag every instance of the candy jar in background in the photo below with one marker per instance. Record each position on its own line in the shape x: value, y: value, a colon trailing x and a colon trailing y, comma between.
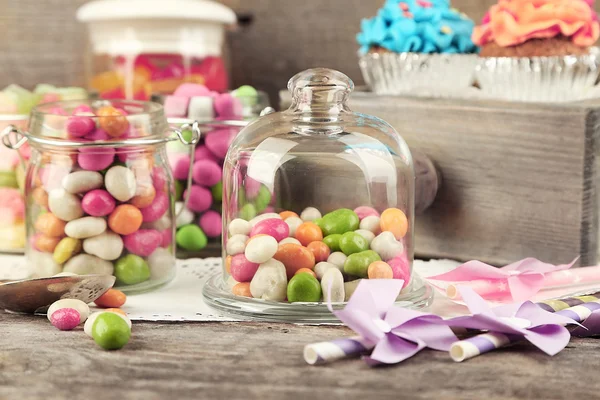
x: 15, y: 104
x: 220, y: 115
x: 342, y: 187
x: 143, y: 47
x: 99, y: 191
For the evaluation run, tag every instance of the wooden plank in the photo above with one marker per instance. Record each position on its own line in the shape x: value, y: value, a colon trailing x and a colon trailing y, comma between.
x: 264, y: 361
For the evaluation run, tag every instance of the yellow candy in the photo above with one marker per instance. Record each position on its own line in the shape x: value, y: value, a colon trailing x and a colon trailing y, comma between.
x: 65, y: 249
x: 106, y: 81
x: 395, y: 221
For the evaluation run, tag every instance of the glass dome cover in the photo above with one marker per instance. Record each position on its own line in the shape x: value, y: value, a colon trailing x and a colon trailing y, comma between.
x: 315, y: 199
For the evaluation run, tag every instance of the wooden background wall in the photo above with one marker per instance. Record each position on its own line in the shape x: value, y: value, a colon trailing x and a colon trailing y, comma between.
x: 40, y: 40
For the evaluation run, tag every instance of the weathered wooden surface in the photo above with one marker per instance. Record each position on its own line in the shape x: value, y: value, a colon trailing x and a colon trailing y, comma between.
x: 264, y: 361
x: 518, y: 180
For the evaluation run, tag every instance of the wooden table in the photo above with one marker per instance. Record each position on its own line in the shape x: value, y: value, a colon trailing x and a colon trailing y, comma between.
x: 264, y: 361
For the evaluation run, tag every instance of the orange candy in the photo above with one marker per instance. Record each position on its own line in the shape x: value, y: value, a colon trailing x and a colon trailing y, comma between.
x: 40, y: 197
x: 242, y: 289
x: 145, y: 194
x: 320, y: 250
x: 308, y: 232
x: 294, y: 257
x: 113, y: 122
x: 306, y: 271
x: 395, y: 221
x: 125, y: 219
x: 45, y: 243
x: 380, y: 270
x: 50, y: 225
x: 113, y: 298
x: 287, y: 214
x: 228, y: 264
x: 116, y: 310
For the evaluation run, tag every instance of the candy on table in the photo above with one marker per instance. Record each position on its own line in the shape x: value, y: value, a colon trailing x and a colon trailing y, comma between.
x: 314, y: 256
x: 203, y: 210
x: 113, y: 298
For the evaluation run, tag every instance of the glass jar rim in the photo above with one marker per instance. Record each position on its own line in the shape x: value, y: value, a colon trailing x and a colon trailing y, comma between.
x: 49, y: 109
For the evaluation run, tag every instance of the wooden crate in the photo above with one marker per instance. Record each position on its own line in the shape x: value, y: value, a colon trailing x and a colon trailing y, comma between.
x: 518, y: 180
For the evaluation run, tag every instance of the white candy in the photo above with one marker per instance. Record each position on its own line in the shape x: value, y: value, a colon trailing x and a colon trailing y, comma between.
x: 368, y: 235
x: 332, y: 286
x: 82, y: 181
x: 239, y: 227
x: 161, y: 263
x: 290, y: 240
x: 370, y: 223
x: 236, y: 244
x: 261, y: 249
x: 270, y: 281
x: 78, y: 305
x: 160, y: 225
x: 322, y: 267
x: 85, y: 227
x: 184, y: 217
x: 262, y: 217
x: 108, y: 245
x: 89, y: 324
x: 293, y: 223
x: 350, y: 287
x: 120, y: 182
x: 386, y: 245
x: 337, y: 258
x: 43, y: 264
x: 310, y: 214
x: 86, y: 264
x: 201, y: 108
x: 64, y: 205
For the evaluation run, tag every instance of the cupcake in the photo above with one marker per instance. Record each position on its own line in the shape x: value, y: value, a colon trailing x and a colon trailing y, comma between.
x: 417, y: 44
x: 538, y: 50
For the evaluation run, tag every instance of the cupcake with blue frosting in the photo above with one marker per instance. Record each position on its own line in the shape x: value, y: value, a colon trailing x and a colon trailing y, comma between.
x: 416, y: 45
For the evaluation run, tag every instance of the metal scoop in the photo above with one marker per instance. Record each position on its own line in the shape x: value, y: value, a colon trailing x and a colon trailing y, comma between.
x: 36, y: 295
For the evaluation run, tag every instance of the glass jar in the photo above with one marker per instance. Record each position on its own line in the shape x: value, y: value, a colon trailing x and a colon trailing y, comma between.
x: 144, y: 47
x: 342, y: 189
x: 99, y: 191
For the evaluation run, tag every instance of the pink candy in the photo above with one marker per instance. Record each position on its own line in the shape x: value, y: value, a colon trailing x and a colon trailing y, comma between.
x: 95, y: 159
x: 200, y: 198
x: 182, y: 166
x: 77, y: 127
x: 167, y: 238
x: 365, y: 211
x: 98, y: 203
x: 206, y: 173
x: 242, y: 270
x: 274, y: 227
x: 202, y: 153
x: 227, y: 106
x: 84, y: 108
x: 252, y: 187
x: 400, y: 268
x: 191, y: 90
x: 159, y: 179
x: 157, y: 209
x: 65, y: 319
x: 143, y: 242
x: 218, y: 141
x: 97, y: 134
x: 211, y: 224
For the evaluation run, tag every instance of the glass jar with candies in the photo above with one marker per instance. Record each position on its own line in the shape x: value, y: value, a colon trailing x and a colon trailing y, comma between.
x: 144, y: 47
x: 341, y: 189
x: 99, y: 191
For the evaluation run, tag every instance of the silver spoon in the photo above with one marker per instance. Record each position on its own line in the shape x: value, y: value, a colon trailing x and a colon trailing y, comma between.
x: 36, y: 295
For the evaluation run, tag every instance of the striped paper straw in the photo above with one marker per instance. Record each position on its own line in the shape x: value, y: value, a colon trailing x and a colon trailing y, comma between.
x: 577, y: 308
x: 325, y: 352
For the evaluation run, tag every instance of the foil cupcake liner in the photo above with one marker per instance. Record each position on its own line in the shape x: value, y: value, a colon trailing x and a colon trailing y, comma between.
x: 438, y: 75
x: 539, y: 79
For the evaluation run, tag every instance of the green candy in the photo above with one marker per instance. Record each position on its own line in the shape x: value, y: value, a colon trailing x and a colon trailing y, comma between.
x: 110, y: 331
x: 242, y: 197
x: 333, y: 241
x: 217, y: 191
x: 351, y: 243
x: 191, y: 237
x: 8, y: 179
x: 357, y: 264
x: 179, y: 188
x: 303, y: 287
x: 339, y: 221
x: 245, y: 91
x: 131, y: 269
x: 248, y: 212
x: 187, y: 135
x: 262, y: 199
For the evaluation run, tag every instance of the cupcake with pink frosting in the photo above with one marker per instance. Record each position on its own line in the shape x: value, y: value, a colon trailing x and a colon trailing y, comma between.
x: 538, y: 50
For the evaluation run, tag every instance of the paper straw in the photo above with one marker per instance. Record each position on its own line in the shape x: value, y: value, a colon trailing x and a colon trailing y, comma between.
x: 488, y: 288
x: 577, y: 308
x: 325, y: 352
